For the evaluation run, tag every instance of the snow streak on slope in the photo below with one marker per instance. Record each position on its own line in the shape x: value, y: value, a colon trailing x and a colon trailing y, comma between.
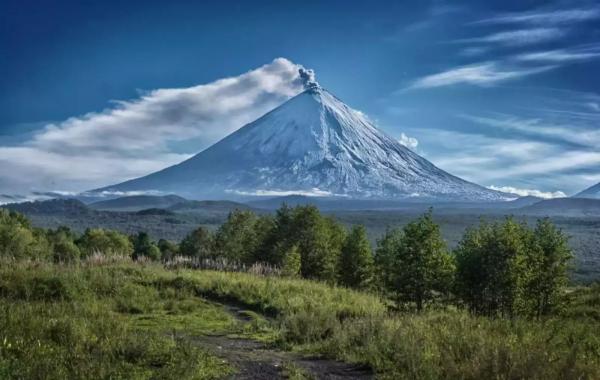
x: 312, y: 144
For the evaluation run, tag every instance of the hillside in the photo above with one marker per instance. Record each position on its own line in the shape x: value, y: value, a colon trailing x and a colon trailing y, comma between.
x: 137, y: 202
x: 591, y: 192
x: 573, y: 207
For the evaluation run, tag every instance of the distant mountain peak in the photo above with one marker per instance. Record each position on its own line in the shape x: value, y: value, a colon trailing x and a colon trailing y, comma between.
x: 312, y: 143
x: 592, y: 192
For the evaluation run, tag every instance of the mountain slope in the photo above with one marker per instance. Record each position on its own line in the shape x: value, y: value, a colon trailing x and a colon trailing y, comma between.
x: 137, y: 202
x: 311, y: 145
x: 573, y: 207
x: 591, y: 192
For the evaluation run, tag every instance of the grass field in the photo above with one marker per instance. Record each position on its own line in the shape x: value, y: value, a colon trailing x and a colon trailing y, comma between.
x: 138, y: 321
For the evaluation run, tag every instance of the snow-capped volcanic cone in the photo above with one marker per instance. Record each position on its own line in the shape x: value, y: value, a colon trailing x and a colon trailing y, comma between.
x: 311, y: 144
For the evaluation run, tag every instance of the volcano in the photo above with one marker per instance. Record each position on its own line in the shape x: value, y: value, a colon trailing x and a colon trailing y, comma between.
x: 313, y: 144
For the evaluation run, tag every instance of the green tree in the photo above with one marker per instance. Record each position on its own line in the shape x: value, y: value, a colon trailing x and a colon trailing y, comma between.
x: 62, y: 243
x: 356, y: 260
x: 550, y: 264
x: 237, y: 239
x: 106, y: 242
x: 168, y: 249
x: 19, y: 240
x: 418, y: 264
x: 143, y: 246
x: 319, y: 240
x: 292, y: 262
x: 494, y: 268
x: 263, y: 250
x: 198, y: 243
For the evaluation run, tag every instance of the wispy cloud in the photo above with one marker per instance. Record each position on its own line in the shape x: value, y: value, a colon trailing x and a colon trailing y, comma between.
x: 519, y: 37
x: 582, y: 135
x: 544, y: 17
x: 135, y: 137
x: 315, y: 192
x: 529, y: 192
x: 482, y: 74
x: 562, y: 55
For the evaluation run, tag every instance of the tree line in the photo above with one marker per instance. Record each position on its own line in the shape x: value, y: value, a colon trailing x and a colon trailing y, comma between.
x: 505, y: 268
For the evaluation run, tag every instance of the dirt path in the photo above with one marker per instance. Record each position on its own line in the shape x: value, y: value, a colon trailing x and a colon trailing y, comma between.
x: 254, y: 360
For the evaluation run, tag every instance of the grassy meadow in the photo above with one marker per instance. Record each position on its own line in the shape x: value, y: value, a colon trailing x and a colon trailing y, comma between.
x: 120, y: 319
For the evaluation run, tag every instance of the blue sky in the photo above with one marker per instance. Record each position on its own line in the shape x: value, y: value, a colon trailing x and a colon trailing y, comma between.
x: 504, y: 94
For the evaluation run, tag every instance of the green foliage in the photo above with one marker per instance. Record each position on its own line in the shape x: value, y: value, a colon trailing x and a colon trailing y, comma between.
x: 105, y: 242
x: 442, y: 344
x: 19, y: 240
x: 318, y: 239
x: 236, y: 239
x: 144, y: 247
x: 292, y: 262
x: 414, y: 263
x: 356, y: 260
x: 68, y: 322
x: 62, y: 245
x: 168, y: 249
x: 509, y: 269
x: 199, y: 243
x: 140, y: 321
x: 550, y: 261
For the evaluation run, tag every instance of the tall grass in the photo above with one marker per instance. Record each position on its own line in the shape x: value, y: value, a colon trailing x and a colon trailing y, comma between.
x: 117, y: 320
x: 436, y: 344
x: 61, y: 322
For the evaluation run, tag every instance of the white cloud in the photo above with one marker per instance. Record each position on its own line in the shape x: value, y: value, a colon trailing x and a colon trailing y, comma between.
x: 576, y: 134
x: 554, y: 17
x: 483, y: 74
x: 314, y: 192
x: 409, y: 142
x: 135, y: 137
x: 562, y: 55
x: 529, y: 192
x: 520, y: 37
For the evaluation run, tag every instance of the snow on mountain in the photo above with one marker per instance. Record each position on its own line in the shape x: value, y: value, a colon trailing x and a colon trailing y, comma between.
x: 591, y: 192
x: 313, y: 144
